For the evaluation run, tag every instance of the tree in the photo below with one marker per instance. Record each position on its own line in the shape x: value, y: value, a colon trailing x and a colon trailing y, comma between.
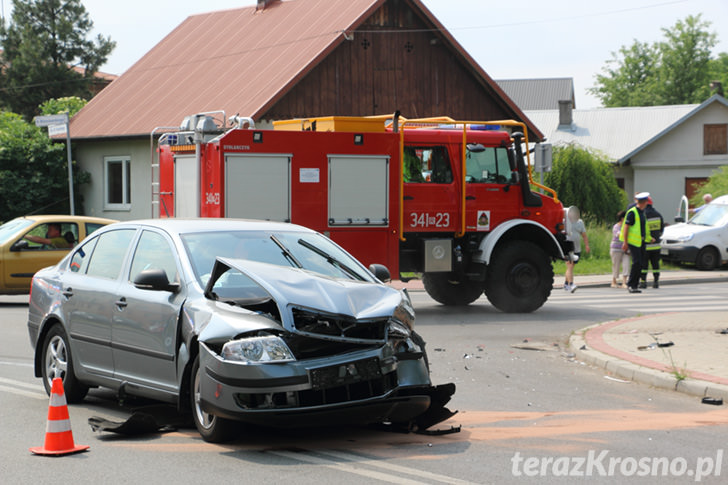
x: 69, y: 104
x: 716, y: 186
x: 33, y: 170
x: 677, y: 70
x: 587, y: 181
x: 43, y: 44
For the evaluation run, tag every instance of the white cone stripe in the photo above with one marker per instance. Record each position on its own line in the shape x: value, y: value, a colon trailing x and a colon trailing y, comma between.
x: 59, y: 426
x: 57, y: 400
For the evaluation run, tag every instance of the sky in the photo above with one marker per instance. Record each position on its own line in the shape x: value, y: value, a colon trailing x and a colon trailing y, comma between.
x: 510, y: 40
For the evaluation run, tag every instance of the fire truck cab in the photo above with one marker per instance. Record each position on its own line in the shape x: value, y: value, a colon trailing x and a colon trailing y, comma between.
x: 452, y: 201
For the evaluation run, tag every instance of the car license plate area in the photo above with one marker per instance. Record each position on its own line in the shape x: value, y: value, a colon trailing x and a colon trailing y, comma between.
x: 345, y: 374
x: 664, y: 251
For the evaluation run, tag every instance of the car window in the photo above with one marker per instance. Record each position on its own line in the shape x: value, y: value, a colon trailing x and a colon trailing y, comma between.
x: 108, y: 256
x: 11, y: 228
x: 81, y: 257
x: 92, y: 226
x: 203, y: 248
x: 711, y: 215
x: 153, y: 252
x: 52, y: 236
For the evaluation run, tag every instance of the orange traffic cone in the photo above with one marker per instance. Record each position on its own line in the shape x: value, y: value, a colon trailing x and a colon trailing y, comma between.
x: 58, y: 437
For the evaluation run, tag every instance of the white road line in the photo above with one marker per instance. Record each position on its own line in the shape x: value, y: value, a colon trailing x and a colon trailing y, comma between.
x: 20, y: 392
x: 393, y: 467
x: 344, y: 467
x: 32, y: 386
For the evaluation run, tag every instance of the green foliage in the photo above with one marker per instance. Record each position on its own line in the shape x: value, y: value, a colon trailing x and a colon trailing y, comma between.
x: 43, y: 43
x: 69, y: 104
x: 716, y: 186
x: 587, y: 181
x: 677, y: 70
x: 33, y: 170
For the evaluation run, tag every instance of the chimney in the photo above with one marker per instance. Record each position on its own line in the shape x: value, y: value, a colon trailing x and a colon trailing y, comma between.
x: 717, y: 87
x: 263, y: 4
x: 566, y: 117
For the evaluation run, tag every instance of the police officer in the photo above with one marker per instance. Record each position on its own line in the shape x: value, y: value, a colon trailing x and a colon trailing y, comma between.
x: 655, y: 225
x: 633, y: 238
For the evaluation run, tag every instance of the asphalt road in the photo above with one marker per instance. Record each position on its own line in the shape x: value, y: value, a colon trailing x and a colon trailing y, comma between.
x: 525, y: 412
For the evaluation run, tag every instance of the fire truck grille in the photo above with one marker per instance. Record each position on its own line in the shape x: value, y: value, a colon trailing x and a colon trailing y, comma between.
x: 336, y: 327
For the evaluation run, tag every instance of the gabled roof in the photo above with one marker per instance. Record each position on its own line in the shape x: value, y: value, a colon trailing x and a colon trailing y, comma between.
x: 696, y: 109
x: 241, y: 61
x: 531, y: 94
x: 615, y: 132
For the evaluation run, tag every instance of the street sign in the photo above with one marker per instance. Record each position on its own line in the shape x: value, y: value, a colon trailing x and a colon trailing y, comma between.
x: 41, y: 121
x: 54, y: 130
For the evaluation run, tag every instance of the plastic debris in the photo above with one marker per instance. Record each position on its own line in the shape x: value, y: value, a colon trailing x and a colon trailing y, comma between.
x: 715, y: 401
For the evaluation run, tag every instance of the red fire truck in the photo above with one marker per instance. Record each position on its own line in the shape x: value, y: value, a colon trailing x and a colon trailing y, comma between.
x: 451, y: 200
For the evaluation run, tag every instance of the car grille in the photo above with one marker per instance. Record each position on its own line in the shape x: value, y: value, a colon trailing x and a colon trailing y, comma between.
x: 338, y: 327
x: 337, y: 394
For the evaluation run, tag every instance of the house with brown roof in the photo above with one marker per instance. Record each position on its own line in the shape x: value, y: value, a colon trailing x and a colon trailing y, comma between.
x: 277, y: 60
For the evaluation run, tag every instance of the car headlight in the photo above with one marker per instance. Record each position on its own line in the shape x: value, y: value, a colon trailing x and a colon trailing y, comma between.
x: 402, y: 321
x: 685, y: 237
x: 257, y: 350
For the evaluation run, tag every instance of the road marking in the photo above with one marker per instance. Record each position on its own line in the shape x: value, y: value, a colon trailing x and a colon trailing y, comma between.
x: 313, y: 460
x: 20, y: 392
x: 32, y: 386
x: 393, y: 467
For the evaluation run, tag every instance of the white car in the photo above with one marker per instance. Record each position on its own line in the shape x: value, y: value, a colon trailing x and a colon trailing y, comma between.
x: 703, y: 240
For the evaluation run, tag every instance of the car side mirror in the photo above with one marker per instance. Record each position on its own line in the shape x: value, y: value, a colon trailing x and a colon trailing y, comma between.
x: 154, y: 279
x: 380, y: 272
x: 679, y: 219
x: 20, y: 245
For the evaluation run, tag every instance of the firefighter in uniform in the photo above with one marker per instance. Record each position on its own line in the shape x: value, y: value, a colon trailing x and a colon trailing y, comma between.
x: 655, y: 225
x: 633, y: 237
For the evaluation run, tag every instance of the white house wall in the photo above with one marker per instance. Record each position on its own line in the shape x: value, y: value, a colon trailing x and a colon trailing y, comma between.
x: 662, y: 167
x: 91, y: 156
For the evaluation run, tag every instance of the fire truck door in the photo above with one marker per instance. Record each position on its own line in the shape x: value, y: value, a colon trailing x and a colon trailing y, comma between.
x: 491, y: 195
x: 431, y: 202
x: 358, y: 190
x: 258, y: 186
x: 186, y: 186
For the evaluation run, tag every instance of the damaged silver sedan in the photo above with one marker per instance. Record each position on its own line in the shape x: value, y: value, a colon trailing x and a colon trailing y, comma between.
x: 236, y: 321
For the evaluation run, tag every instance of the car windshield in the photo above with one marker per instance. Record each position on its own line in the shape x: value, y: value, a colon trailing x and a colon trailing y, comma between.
x: 312, y: 252
x: 11, y: 228
x: 711, y: 215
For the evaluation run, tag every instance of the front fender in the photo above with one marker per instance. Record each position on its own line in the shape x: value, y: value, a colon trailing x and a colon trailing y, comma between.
x: 522, y: 229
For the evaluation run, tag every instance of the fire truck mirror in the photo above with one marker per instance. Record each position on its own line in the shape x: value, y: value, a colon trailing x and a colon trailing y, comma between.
x: 380, y: 271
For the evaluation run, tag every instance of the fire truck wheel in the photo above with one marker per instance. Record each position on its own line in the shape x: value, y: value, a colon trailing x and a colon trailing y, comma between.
x: 443, y: 289
x: 520, y: 278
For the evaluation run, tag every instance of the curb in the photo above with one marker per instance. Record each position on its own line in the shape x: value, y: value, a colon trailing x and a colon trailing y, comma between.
x: 642, y: 374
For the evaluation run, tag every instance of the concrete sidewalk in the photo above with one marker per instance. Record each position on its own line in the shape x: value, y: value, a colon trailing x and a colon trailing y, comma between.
x: 683, y: 351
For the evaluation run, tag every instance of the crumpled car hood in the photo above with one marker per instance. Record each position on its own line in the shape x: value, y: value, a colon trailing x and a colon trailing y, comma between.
x: 297, y: 287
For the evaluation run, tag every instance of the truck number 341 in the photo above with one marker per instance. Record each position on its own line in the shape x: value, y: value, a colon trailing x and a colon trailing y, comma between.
x: 425, y: 219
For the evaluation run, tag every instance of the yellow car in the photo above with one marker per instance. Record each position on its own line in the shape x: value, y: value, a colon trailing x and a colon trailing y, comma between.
x: 28, y: 244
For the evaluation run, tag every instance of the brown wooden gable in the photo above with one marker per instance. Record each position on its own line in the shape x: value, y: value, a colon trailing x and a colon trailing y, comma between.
x: 382, y: 69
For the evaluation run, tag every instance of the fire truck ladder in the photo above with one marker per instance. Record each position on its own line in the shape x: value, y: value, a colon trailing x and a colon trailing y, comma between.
x: 156, y: 195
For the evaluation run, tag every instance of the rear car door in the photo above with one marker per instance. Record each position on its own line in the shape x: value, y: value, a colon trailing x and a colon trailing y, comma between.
x: 145, y: 321
x: 89, y: 288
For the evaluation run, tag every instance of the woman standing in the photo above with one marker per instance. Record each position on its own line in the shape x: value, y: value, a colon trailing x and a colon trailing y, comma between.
x: 619, y: 257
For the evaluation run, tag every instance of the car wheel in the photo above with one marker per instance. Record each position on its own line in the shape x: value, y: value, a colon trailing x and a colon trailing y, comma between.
x: 213, y: 429
x: 57, y: 362
x: 708, y: 259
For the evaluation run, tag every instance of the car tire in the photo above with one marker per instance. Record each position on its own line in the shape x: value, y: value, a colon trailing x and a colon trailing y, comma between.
x: 708, y: 259
x: 56, y: 361
x: 213, y: 429
x: 448, y: 291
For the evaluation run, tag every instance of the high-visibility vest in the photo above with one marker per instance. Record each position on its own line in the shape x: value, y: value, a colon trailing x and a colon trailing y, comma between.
x: 634, y: 232
x: 653, y: 226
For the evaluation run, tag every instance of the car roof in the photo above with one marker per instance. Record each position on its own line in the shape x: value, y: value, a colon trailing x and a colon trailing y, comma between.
x: 183, y: 225
x: 723, y: 199
x: 65, y: 218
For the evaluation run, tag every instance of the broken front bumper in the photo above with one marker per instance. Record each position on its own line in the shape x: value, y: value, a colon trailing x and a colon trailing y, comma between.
x: 355, y: 388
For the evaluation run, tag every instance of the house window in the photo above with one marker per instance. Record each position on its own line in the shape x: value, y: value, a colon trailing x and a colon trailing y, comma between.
x: 715, y: 139
x: 117, y: 174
